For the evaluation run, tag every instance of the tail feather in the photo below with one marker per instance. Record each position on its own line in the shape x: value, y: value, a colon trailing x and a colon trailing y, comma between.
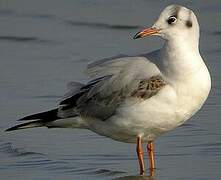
x: 36, y: 120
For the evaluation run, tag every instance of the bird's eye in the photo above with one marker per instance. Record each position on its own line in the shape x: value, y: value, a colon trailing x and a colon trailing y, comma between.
x: 171, y: 20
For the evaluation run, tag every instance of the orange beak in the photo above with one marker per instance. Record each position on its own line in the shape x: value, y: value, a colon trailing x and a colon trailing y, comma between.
x: 146, y: 32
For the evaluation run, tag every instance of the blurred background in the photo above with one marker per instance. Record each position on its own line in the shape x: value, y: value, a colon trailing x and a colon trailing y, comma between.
x: 45, y: 44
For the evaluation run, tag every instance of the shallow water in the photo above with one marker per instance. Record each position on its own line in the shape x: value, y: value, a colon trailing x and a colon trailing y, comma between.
x: 46, y: 44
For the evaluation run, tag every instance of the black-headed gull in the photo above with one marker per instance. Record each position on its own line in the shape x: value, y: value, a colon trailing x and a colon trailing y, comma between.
x: 136, y: 99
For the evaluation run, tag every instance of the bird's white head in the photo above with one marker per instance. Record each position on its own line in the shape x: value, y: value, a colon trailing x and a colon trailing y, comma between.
x: 174, y: 22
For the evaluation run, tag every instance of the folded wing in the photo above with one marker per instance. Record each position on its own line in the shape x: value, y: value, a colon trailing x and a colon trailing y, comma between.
x: 114, y: 80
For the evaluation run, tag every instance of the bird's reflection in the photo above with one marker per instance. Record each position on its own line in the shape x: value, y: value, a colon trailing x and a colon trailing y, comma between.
x: 135, y: 178
x: 149, y: 176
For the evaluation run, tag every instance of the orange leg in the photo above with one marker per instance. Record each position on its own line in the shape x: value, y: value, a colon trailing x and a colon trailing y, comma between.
x: 150, y: 148
x: 140, y: 155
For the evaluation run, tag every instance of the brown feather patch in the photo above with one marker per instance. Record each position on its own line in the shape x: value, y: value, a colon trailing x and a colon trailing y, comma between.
x: 149, y: 87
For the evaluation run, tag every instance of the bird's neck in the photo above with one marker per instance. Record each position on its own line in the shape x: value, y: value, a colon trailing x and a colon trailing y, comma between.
x: 182, y: 43
x: 180, y: 57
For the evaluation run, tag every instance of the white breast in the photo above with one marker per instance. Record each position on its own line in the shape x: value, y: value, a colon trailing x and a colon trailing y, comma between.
x: 192, y: 93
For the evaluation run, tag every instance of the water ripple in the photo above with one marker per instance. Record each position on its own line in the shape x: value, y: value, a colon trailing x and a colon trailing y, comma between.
x: 40, y: 16
x: 135, y: 178
x: 23, y: 39
x: 107, y: 172
x: 102, y: 157
x: 47, y: 97
x: 77, y: 170
x: 218, y: 144
x: 102, y: 25
x: 9, y: 12
x: 174, y: 154
x: 215, y: 33
x: 9, y: 149
x: 4, y: 12
x: 95, y: 171
x: 39, y: 163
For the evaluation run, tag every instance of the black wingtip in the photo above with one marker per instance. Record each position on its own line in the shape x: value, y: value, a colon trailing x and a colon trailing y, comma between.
x: 47, y: 116
x: 31, y: 124
x: 11, y: 129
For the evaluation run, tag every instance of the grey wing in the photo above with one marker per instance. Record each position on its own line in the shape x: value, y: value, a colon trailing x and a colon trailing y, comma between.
x: 114, y: 81
x: 73, y: 88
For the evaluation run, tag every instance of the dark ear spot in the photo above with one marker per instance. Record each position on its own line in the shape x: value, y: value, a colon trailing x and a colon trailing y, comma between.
x: 189, y: 24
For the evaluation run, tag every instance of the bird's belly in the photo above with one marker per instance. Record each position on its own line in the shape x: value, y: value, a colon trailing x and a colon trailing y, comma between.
x: 149, y: 119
